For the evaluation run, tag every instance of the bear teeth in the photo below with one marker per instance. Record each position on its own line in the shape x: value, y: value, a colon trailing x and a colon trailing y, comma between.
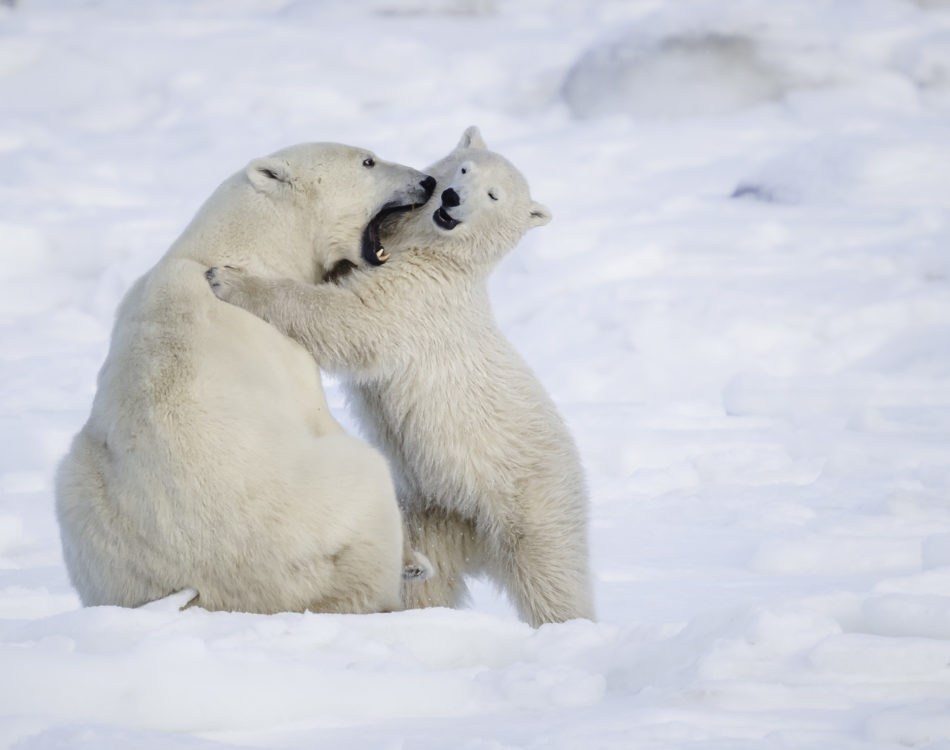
x: 382, y: 255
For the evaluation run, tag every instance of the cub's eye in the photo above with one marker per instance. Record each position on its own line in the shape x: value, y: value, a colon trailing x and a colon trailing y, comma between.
x: 491, y: 194
x: 369, y: 162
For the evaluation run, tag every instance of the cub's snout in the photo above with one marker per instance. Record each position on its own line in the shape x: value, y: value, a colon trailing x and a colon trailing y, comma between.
x: 450, y: 199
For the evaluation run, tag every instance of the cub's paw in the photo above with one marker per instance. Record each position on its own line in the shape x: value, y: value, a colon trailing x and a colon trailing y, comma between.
x: 228, y: 283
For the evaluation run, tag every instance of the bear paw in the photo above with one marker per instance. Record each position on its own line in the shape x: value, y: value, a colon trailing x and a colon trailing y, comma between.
x: 227, y: 283
x: 417, y: 568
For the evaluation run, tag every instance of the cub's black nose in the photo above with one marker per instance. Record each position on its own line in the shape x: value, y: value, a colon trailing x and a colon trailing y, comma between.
x: 428, y: 184
x: 450, y: 198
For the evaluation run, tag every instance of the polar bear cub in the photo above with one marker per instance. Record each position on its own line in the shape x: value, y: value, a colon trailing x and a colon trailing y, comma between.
x: 486, y: 470
x: 210, y: 459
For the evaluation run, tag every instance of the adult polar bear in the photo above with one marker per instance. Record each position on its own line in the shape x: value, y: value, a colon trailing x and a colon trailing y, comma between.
x: 486, y: 470
x: 210, y: 460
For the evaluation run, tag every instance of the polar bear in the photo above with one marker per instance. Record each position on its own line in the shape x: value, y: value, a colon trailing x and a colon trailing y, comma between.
x: 486, y: 471
x: 210, y: 459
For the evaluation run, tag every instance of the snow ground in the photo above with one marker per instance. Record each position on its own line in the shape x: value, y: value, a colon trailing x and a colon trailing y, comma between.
x: 742, y: 307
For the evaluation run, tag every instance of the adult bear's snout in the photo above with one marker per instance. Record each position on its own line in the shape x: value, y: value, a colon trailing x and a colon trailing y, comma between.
x: 428, y: 184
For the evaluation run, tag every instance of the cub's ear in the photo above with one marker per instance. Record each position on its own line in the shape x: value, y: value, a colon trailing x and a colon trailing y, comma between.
x: 538, y: 215
x: 471, y: 138
x: 267, y: 173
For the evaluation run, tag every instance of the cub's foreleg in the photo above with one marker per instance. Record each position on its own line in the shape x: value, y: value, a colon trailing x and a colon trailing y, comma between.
x: 333, y: 323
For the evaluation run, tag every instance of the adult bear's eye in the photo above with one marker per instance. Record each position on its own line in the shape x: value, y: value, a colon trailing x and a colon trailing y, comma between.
x: 369, y: 162
x: 492, y: 195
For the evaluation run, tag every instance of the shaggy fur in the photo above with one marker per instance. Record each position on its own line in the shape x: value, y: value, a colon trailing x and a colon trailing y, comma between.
x: 486, y: 471
x: 210, y: 460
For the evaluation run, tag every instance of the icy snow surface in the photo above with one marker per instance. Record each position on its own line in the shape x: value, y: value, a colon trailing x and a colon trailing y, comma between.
x: 742, y: 307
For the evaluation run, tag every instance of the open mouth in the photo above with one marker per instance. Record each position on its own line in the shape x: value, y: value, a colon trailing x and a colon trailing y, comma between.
x: 371, y: 248
x: 442, y: 219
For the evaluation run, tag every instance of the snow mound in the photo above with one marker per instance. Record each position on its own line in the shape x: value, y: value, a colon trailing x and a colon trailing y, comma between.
x: 724, y: 57
x: 677, y: 76
x: 848, y: 167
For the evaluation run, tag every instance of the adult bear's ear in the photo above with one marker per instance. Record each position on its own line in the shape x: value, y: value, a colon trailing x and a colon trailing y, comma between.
x: 471, y: 138
x: 538, y: 215
x: 267, y: 173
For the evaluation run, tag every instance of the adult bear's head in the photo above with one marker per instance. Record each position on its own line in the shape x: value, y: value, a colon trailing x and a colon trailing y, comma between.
x: 335, y: 198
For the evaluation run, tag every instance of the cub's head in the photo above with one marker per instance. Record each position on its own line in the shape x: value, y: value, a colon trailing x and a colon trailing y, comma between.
x: 485, y: 204
x: 333, y: 199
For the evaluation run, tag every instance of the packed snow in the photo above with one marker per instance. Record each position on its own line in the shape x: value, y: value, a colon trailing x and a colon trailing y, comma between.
x: 742, y: 308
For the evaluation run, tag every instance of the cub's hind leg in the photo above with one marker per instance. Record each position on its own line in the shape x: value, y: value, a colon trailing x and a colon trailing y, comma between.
x: 540, y: 558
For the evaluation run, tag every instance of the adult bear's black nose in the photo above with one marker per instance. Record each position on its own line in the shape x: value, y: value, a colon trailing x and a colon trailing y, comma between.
x: 450, y: 198
x: 428, y: 184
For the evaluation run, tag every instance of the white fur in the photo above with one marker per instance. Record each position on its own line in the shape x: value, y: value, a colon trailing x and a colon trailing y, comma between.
x: 487, y: 473
x: 210, y: 460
